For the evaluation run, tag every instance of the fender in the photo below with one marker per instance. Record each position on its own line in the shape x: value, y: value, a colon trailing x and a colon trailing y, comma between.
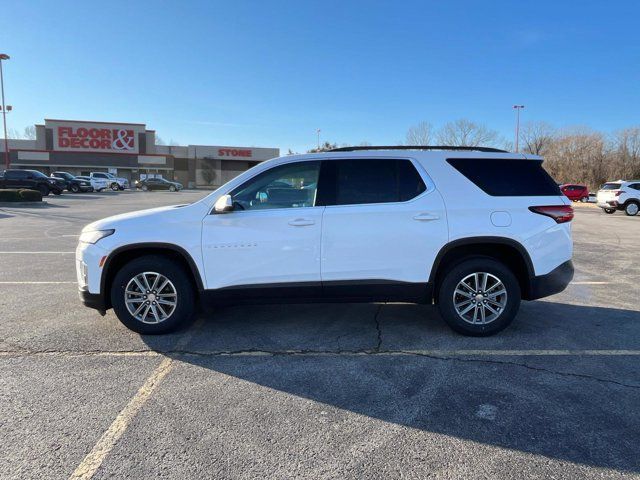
x: 481, y: 240
x: 166, y: 246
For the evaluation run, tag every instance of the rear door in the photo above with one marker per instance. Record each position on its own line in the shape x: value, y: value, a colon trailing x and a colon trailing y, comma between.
x: 383, y: 224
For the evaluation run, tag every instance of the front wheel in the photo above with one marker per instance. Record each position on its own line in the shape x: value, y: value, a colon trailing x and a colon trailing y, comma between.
x: 631, y: 209
x: 172, y: 188
x: 479, y: 297
x: 57, y: 192
x: 114, y: 187
x: 74, y: 188
x: 584, y: 199
x: 145, y: 188
x: 609, y: 210
x: 153, y: 295
x: 44, y: 190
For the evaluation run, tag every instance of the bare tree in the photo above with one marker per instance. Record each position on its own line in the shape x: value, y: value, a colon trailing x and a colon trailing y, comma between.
x: 29, y: 133
x: 537, y: 137
x: 160, y: 141
x: 465, y: 133
x: 208, y: 171
x: 420, y: 134
x: 626, y: 153
x: 325, y: 147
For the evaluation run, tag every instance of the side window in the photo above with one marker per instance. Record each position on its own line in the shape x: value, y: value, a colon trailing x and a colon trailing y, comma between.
x: 16, y: 175
x: 370, y: 181
x: 635, y: 186
x: 293, y: 185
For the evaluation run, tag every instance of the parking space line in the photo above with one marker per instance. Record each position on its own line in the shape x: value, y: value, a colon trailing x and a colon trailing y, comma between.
x: 40, y: 252
x: 35, y: 283
x: 90, y: 464
x: 590, y: 283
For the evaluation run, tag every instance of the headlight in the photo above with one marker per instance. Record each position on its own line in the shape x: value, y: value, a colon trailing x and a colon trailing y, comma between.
x: 95, y: 235
x: 51, y: 180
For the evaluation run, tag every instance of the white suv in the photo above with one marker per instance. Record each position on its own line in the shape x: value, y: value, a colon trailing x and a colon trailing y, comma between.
x: 116, y: 183
x: 473, y: 230
x: 620, y: 195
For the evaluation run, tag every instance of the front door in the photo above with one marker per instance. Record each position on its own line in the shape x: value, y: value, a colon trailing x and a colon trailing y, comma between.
x: 271, y: 239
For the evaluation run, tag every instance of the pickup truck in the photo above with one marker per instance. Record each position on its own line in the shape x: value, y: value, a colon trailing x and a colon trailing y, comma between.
x: 33, y: 180
x: 115, y: 183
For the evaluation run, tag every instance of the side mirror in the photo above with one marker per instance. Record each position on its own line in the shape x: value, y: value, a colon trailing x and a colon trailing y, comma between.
x: 224, y: 204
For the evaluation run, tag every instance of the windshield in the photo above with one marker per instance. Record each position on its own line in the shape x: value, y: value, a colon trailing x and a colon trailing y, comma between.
x: 611, y: 186
x: 38, y: 174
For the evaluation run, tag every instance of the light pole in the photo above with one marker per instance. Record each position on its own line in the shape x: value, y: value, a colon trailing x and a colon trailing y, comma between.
x: 318, y: 132
x: 518, y: 108
x: 4, y: 56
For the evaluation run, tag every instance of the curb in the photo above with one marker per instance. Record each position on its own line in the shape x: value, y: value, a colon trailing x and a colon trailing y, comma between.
x: 40, y: 204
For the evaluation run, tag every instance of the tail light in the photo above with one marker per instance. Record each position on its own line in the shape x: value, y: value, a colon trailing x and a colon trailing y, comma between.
x: 619, y: 192
x: 560, y: 213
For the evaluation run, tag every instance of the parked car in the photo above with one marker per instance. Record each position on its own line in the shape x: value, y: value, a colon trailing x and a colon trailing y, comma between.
x: 575, y: 192
x: 620, y: 195
x: 474, y: 230
x: 115, y: 183
x: 32, y: 179
x: 158, y: 184
x: 74, y: 184
x: 98, y: 184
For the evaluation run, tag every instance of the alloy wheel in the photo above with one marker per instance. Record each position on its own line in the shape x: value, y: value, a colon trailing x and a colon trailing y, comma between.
x: 480, y: 298
x: 150, y: 297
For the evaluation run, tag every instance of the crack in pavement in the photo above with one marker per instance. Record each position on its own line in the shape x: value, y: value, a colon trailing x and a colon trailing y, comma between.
x: 177, y: 353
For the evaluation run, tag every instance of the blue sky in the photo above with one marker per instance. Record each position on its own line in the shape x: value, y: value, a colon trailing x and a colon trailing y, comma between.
x: 268, y: 73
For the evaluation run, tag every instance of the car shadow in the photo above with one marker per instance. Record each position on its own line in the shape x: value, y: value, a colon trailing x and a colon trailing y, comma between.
x: 539, y: 387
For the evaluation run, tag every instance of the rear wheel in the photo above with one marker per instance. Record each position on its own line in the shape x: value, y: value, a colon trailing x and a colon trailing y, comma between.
x: 632, y: 208
x: 584, y: 199
x: 609, y: 210
x: 144, y: 188
x: 479, y: 297
x: 153, y: 295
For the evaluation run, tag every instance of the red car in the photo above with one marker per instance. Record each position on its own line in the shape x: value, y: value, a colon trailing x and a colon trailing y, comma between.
x: 575, y: 192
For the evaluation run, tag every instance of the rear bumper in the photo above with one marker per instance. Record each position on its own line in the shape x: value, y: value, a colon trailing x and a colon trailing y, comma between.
x: 92, y: 300
x: 553, y: 282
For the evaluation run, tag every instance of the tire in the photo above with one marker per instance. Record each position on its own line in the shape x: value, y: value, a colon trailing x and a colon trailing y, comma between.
x: 145, y: 188
x: 177, y: 316
x: 609, y: 210
x: 495, y: 272
x: 44, y: 190
x: 114, y: 187
x: 632, y: 208
x: 57, y: 192
x: 172, y: 188
x: 584, y: 199
x: 120, y: 188
x: 74, y: 188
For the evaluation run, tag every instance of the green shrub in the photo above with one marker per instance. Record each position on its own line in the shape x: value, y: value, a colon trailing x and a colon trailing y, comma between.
x: 20, y: 196
x: 30, y: 195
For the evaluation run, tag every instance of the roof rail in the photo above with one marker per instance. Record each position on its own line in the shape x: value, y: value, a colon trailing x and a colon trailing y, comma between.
x: 418, y: 147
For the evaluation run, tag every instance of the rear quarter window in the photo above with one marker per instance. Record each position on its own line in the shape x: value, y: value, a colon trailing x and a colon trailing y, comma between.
x: 503, y: 177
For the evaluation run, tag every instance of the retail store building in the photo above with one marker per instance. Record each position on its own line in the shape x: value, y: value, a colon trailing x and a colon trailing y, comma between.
x: 129, y: 150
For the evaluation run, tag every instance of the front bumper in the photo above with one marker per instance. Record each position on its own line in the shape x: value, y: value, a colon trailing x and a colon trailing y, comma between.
x: 92, y: 300
x: 553, y: 282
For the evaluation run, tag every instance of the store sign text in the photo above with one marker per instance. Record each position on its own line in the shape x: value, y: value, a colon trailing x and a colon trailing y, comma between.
x: 234, y: 152
x: 120, y: 139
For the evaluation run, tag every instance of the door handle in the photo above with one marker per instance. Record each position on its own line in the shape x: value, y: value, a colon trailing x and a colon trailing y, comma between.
x: 301, y: 222
x: 425, y: 217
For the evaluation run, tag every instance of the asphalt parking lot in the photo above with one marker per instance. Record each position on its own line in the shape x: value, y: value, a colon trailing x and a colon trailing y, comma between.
x: 314, y: 391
